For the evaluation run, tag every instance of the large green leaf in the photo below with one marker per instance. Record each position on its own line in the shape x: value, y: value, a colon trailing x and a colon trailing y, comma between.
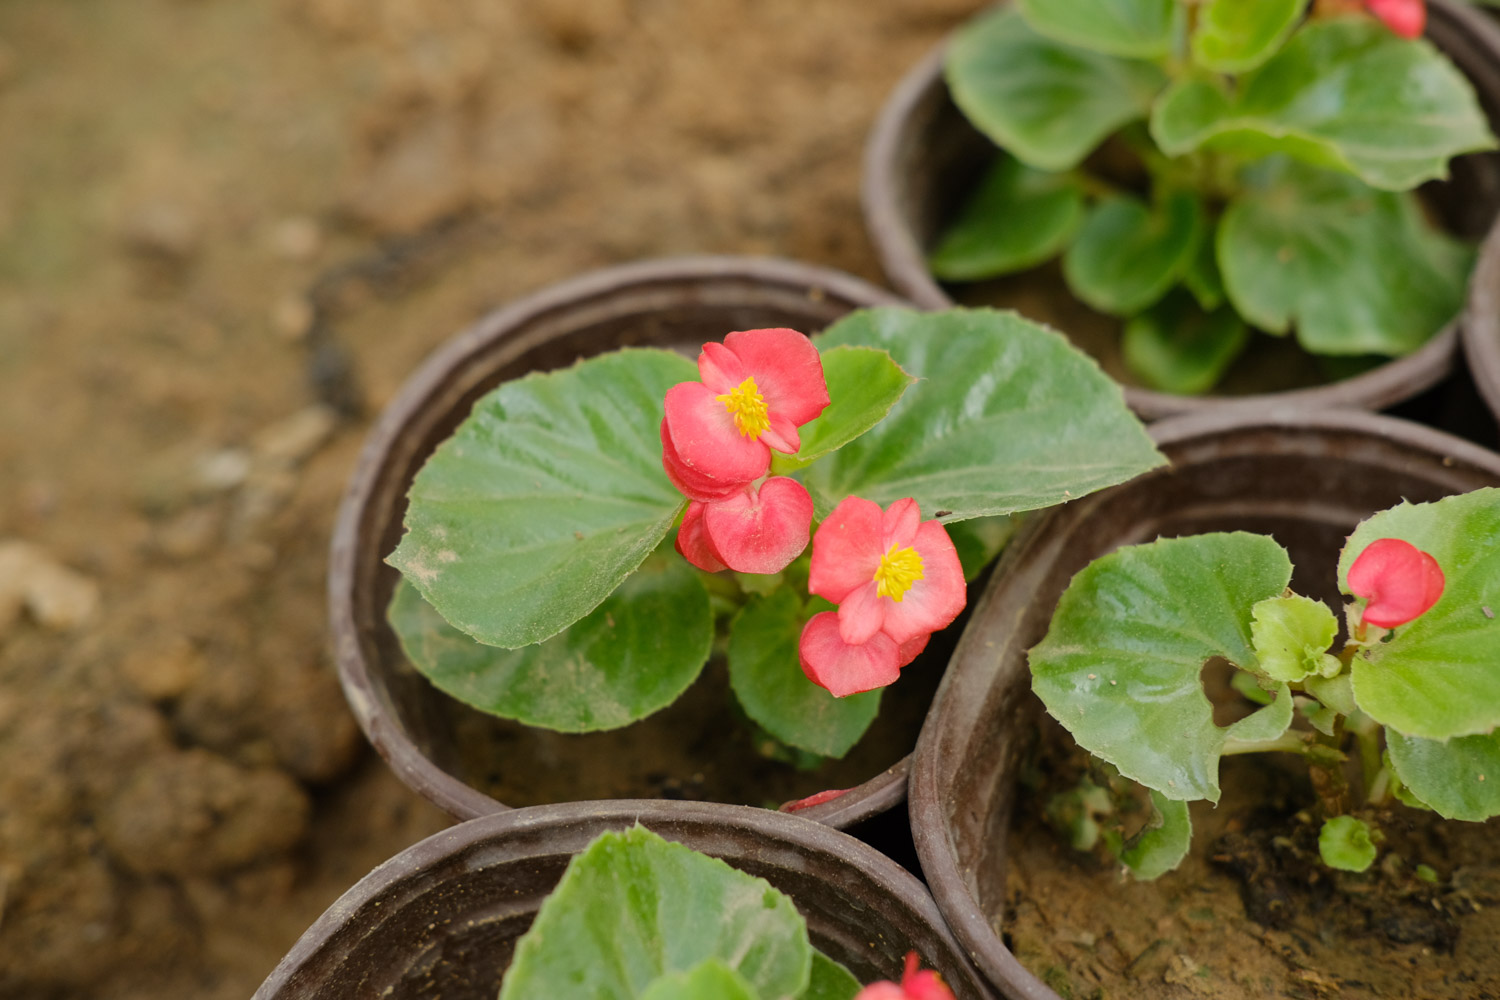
x: 1121, y: 664
x: 1140, y: 29
x: 766, y: 674
x: 629, y: 657
x: 1459, y: 778
x: 863, y: 385
x: 1345, y: 94
x: 710, y: 979
x: 1439, y: 675
x: 1355, y: 270
x: 829, y: 981
x: 1008, y: 417
x: 1017, y: 218
x: 634, y: 907
x: 1233, y: 36
x: 1177, y: 347
x: 1047, y: 102
x: 545, y: 498
x: 1128, y: 254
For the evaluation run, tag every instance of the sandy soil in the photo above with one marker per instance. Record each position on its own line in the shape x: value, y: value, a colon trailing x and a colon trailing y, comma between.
x: 228, y: 229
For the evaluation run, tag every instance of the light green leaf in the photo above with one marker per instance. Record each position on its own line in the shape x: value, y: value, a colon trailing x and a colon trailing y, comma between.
x: 863, y: 385
x: 979, y: 540
x: 633, y: 907
x: 710, y: 979
x: 1046, y: 102
x: 1234, y: 36
x: 1336, y: 692
x: 1127, y: 255
x: 1439, y: 675
x: 766, y: 674
x: 1141, y: 29
x: 1345, y: 94
x: 1357, y: 271
x: 1344, y: 842
x: 546, y: 497
x: 1202, y: 277
x: 830, y: 981
x: 1459, y: 778
x: 1008, y: 417
x: 629, y: 657
x: 1176, y: 347
x: 1120, y: 666
x: 1163, y: 843
x: 1017, y: 218
x: 1291, y: 635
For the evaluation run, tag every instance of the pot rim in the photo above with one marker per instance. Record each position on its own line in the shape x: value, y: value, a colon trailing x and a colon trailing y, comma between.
x: 424, y: 389
x: 1481, y: 324
x: 699, y: 825
x: 905, y: 264
x: 928, y: 784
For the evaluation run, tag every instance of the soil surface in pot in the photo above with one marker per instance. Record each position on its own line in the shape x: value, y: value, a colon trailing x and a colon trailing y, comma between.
x: 1252, y: 913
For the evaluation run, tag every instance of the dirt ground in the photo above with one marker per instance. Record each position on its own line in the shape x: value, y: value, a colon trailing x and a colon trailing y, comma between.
x: 228, y: 229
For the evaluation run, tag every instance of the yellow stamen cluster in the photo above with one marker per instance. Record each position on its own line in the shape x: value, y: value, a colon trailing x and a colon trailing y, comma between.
x: 898, y: 570
x: 748, y: 408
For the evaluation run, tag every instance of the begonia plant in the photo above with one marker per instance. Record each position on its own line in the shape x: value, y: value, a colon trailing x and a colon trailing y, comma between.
x: 1405, y: 708
x: 1209, y: 168
x: 589, y: 536
x: 637, y: 916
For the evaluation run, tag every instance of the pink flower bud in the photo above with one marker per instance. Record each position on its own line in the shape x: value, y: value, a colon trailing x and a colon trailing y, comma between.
x: 1407, y: 18
x: 915, y: 985
x: 1399, y: 581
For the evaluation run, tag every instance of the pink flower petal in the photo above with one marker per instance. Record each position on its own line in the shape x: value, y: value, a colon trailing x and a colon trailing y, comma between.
x: 937, y: 598
x: 787, y: 370
x: 693, y: 542
x: 1407, y: 18
x: 815, y: 799
x: 912, y: 648
x: 1399, y: 580
x: 898, y: 525
x: 861, y: 613
x: 761, y: 531
x: 781, y: 435
x: 691, y: 483
x: 706, y: 440
x: 720, y: 369
x: 883, y: 990
x: 846, y: 549
x: 832, y: 663
x: 922, y: 985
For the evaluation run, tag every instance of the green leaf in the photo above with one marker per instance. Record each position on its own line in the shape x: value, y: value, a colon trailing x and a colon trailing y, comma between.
x: 863, y: 384
x: 766, y: 674
x: 1344, y: 842
x: 629, y: 657
x: 1346, y: 94
x: 1233, y: 36
x: 1046, y: 102
x: 1163, y: 843
x: 1176, y: 347
x: 633, y: 907
x: 1127, y: 255
x: 1336, y: 692
x: 1017, y: 218
x: 710, y: 979
x: 979, y: 540
x: 1141, y: 29
x: 1357, y: 271
x: 545, y: 498
x: 1439, y: 675
x: 1459, y: 778
x: 830, y: 981
x: 1121, y: 664
x: 1202, y: 276
x: 1291, y: 635
x: 1008, y: 417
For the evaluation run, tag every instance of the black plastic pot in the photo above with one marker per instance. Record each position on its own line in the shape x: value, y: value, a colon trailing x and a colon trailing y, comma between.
x: 442, y: 918
x: 1305, y: 478
x: 923, y: 158
x: 1481, y: 335
x: 437, y: 746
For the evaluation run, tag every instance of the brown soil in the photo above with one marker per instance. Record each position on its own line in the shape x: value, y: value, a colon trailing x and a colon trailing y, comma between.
x: 228, y: 230
x: 1251, y: 913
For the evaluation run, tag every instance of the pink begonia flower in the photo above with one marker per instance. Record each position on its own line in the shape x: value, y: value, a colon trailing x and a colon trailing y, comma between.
x: 915, y: 985
x: 1399, y: 580
x: 896, y: 580
x: 1407, y: 18
x: 759, y: 529
x: 757, y: 388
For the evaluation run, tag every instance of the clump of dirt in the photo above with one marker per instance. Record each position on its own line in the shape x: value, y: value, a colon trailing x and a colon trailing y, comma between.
x: 1252, y: 912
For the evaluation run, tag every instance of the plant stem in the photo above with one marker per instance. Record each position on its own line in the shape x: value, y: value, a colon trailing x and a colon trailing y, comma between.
x: 1287, y: 742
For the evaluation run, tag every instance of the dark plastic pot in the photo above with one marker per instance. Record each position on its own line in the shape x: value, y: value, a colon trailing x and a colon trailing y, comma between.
x: 1482, y: 324
x: 441, y: 919
x: 672, y: 303
x: 1305, y: 478
x: 923, y: 159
